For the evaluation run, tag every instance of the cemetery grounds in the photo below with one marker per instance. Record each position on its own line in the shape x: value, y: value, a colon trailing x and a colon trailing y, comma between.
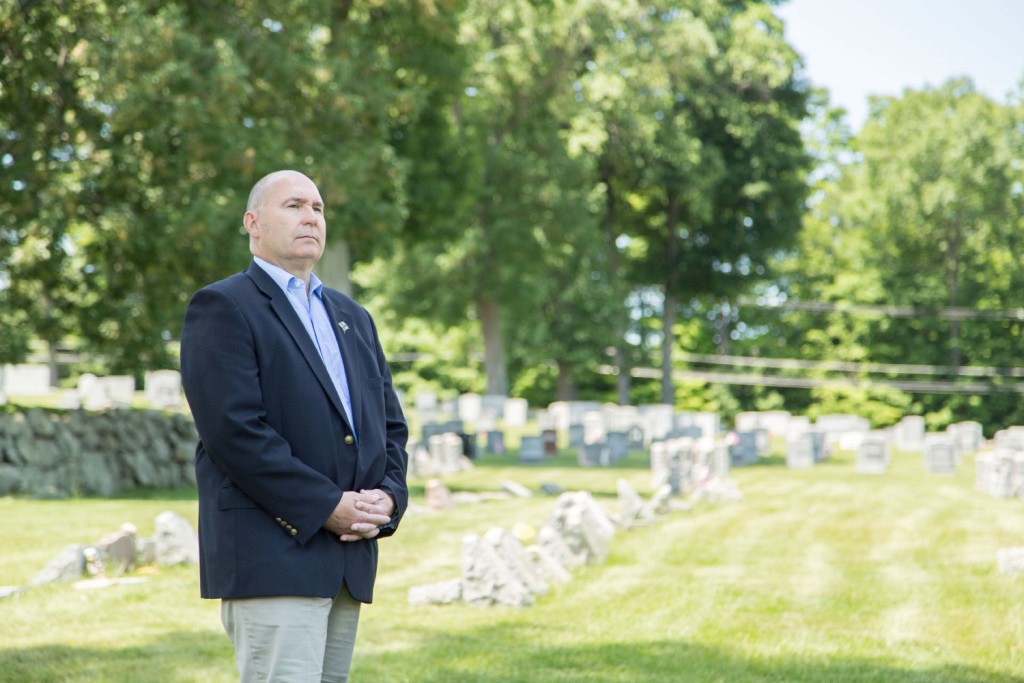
x: 818, y: 575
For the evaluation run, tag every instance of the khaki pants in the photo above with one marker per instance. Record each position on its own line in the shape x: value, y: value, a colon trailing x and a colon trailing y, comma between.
x: 292, y: 639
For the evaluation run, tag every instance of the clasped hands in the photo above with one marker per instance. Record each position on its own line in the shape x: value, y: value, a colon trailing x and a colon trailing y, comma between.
x: 360, y: 514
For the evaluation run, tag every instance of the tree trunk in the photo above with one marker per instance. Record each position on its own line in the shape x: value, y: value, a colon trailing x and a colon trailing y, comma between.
x: 494, y: 351
x: 623, y: 380
x: 668, y: 392
x: 51, y: 361
x: 335, y: 265
x: 565, y: 384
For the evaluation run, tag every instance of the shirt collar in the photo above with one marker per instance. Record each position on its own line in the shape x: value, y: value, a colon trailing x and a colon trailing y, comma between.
x: 284, y: 279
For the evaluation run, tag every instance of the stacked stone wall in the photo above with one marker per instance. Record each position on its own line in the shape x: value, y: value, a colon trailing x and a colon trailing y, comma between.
x: 57, y: 453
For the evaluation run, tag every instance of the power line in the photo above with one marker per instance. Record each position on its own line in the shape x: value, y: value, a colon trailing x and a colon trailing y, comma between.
x: 847, y: 366
x: 943, y: 312
x: 751, y: 379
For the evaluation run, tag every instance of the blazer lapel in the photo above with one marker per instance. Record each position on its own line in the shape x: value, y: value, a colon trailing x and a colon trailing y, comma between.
x: 286, y: 314
x: 346, y: 335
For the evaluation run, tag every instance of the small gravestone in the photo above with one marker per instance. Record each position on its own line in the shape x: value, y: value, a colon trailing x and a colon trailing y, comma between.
x: 575, y: 436
x: 162, y: 389
x: 800, y: 452
x: 516, y: 489
x: 939, y: 454
x: 531, y: 449
x: 487, y: 579
x: 438, y: 497
x: 618, y: 446
x: 512, y: 553
x: 550, y: 439
x: 743, y: 449
x: 873, y: 455
x: 515, y: 412
x: 176, y: 542
x: 496, y: 443
x: 68, y: 565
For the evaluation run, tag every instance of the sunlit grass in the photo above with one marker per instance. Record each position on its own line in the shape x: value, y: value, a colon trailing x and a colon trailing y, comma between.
x: 820, y: 575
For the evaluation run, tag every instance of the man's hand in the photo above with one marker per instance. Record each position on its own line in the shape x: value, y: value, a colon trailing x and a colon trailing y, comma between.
x: 360, y: 514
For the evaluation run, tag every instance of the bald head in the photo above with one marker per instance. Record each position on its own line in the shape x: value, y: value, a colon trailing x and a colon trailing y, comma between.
x: 259, y: 190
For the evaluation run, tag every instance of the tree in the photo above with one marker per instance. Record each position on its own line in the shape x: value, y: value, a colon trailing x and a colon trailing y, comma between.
x: 708, y: 150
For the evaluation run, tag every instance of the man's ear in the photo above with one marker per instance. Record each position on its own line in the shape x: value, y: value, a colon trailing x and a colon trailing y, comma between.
x: 251, y: 224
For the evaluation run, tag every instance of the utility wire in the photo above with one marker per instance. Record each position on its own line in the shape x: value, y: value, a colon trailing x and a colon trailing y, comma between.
x: 943, y: 312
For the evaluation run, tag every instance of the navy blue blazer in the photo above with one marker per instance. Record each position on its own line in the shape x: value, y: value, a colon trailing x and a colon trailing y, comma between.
x: 276, y: 451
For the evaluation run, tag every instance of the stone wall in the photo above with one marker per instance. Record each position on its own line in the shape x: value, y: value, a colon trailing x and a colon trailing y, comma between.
x: 60, y: 453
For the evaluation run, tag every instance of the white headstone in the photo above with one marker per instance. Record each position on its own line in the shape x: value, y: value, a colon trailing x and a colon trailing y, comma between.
x: 26, y: 380
x: 163, y: 389
x: 515, y: 412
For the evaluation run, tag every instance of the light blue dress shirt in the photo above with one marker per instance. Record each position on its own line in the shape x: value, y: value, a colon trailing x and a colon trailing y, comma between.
x: 313, y: 313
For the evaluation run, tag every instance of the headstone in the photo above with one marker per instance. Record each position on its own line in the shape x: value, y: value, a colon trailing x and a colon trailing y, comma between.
x: 593, y: 427
x: 516, y: 489
x: 743, y: 448
x: 549, y: 437
x: 176, y: 542
x: 618, y: 447
x: 908, y: 434
x: 583, y: 525
x: 437, y: 495
x: 163, y: 389
x: 120, y: 389
x: 426, y: 406
x: 939, y: 454
x: 873, y: 455
x: 487, y: 580
x: 576, y: 435
x: 507, y: 547
x: 117, y: 550
x: 26, y: 380
x: 469, y: 407
x: 68, y: 565
x: 967, y: 436
x: 531, y: 449
x: 568, y: 413
x: 92, y: 392
x: 632, y: 510
x: 496, y: 443
x: 493, y: 404
x: 547, y: 566
x: 800, y: 452
x: 657, y: 419
x: 515, y: 412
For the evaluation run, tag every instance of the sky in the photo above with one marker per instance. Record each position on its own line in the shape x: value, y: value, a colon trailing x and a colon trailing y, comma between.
x: 857, y: 48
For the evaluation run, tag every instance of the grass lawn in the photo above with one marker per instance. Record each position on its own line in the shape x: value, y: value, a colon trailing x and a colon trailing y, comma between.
x: 821, y: 575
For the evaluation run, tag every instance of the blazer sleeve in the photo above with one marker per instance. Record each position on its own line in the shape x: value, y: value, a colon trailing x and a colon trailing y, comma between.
x: 396, y: 439
x: 221, y: 379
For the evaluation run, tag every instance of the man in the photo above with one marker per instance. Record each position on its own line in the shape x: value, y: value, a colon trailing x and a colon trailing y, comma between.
x: 301, y: 461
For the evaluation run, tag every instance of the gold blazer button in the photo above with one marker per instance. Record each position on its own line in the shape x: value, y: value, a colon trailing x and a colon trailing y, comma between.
x: 349, y: 440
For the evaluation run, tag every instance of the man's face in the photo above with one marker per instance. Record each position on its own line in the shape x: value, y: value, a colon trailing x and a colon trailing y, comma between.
x: 288, y: 229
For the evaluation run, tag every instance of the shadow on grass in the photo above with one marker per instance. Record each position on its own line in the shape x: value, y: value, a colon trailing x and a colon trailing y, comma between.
x: 499, y: 655
x: 492, y: 655
x: 174, y: 657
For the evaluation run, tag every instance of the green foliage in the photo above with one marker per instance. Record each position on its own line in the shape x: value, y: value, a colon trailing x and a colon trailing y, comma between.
x: 881, y: 406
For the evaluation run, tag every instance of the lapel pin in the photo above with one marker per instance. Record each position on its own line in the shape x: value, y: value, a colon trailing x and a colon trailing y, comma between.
x: 343, y: 325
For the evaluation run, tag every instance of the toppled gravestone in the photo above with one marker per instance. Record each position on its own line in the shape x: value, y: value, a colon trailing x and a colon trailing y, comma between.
x: 174, y: 543
x: 498, y: 570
